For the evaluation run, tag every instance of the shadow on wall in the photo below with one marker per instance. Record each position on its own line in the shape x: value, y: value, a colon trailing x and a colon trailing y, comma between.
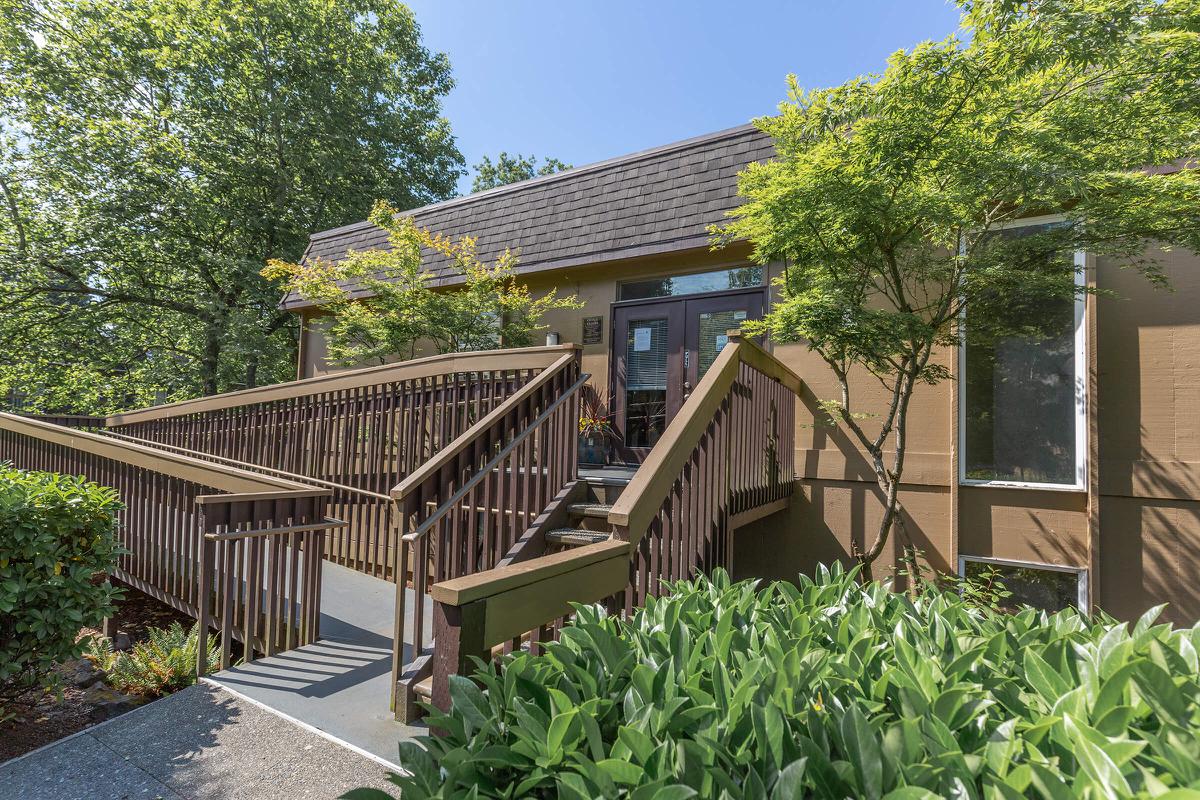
x: 1149, y: 448
x: 817, y: 528
x: 826, y: 514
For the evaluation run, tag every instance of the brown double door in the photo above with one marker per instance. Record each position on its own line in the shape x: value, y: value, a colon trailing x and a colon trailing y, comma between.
x: 661, y: 350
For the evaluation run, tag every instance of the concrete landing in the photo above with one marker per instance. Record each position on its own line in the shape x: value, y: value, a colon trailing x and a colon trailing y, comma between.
x: 341, y: 683
x: 201, y: 743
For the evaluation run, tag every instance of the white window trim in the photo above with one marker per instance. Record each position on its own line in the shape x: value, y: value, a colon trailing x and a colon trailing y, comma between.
x: 1081, y: 384
x: 1081, y: 573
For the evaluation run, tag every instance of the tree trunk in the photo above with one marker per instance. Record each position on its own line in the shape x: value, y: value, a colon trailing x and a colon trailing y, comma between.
x: 210, y: 360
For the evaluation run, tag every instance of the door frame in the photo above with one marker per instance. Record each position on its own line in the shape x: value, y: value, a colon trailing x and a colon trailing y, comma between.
x: 675, y: 368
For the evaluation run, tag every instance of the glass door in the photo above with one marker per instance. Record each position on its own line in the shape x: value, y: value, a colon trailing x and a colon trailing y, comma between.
x: 648, y: 379
x: 708, y: 322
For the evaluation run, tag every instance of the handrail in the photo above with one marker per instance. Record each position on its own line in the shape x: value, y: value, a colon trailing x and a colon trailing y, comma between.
x: 429, y: 366
x: 236, y: 549
x: 223, y: 478
x: 475, y: 479
x: 257, y: 467
x: 639, y: 503
x: 447, y: 453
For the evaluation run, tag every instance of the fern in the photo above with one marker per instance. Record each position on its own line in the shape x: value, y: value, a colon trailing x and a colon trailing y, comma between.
x: 162, y: 664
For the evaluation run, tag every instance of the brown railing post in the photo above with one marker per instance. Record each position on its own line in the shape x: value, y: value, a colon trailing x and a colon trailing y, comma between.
x: 204, y: 589
x: 458, y: 631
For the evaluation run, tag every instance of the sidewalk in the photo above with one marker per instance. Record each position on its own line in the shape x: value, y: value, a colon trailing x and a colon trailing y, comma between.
x: 200, y: 743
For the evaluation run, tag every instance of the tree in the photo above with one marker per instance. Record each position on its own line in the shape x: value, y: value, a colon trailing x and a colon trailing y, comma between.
x: 888, y: 194
x: 510, y: 169
x: 154, y: 155
x: 490, y: 309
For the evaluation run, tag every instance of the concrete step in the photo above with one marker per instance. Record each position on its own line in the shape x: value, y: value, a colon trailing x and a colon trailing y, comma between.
x: 424, y: 689
x: 576, y: 537
x: 593, y: 510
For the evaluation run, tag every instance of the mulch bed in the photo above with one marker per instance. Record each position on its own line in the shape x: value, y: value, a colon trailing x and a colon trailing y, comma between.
x: 43, y: 718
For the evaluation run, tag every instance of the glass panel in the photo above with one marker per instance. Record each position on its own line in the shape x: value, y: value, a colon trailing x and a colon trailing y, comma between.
x: 714, y: 327
x: 645, y: 382
x: 1047, y: 589
x: 1020, y: 400
x: 736, y: 278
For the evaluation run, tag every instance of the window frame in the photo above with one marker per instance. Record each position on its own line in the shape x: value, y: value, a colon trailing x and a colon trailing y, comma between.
x: 1081, y: 573
x: 1081, y: 382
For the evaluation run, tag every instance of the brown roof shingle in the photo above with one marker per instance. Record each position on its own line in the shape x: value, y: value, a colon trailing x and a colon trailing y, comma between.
x: 654, y: 201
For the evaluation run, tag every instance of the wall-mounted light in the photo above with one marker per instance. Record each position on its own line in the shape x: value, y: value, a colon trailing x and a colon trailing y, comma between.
x: 551, y: 338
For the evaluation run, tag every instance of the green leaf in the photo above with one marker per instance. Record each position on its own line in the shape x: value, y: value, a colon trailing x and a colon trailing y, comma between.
x: 863, y: 750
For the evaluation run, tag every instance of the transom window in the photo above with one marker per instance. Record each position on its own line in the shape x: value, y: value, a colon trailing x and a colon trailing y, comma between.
x: 718, y: 280
x: 1022, y: 408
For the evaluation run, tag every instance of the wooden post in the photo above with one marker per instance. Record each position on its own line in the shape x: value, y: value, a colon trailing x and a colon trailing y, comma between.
x: 208, y: 556
x: 457, y: 635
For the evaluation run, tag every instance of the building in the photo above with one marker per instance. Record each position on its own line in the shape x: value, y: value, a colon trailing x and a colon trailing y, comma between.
x: 1087, y: 473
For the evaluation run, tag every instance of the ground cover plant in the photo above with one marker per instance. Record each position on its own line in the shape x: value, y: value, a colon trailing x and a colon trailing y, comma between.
x: 57, y: 540
x: 828, y: 689
x: 165, y: 662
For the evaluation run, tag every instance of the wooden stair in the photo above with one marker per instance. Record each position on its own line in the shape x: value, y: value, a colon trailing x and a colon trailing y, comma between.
x: 587, y: 518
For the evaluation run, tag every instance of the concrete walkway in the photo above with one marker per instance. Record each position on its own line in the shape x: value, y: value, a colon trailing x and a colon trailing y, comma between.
x: 197, y: 744
x: 341, y: 683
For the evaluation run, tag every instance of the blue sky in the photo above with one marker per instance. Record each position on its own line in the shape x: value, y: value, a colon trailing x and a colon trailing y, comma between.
x: 584, y: 80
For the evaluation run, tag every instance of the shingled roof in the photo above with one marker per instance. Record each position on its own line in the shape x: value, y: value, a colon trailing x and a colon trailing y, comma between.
x: 655, y: 201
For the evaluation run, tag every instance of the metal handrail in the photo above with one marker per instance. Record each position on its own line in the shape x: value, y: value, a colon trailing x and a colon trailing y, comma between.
x: 430, y: 467
x: 445, y: 508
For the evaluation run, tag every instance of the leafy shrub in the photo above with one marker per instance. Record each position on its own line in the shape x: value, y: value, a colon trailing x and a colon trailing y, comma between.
x: 830, y: 690
x: 165, y: 662
x: 57, y: 536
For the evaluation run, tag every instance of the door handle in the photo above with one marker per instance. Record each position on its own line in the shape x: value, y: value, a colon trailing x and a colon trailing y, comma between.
x: 687, y: 390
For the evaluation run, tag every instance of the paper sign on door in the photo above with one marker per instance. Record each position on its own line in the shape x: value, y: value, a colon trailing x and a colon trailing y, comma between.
x: 641, y: 340
x: 722, y: 340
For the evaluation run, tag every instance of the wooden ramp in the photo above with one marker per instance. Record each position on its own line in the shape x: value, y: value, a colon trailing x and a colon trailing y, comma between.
x: 339, y: 684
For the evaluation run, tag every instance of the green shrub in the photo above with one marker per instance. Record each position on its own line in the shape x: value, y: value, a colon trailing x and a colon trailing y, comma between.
x: 57, y: 537
x: 165, y: 662
x: 828, y: 690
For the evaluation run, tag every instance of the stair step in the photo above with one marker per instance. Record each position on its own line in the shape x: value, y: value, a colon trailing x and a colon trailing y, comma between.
x: 576, y: 537
x: 597, y: 510
x: 424, y: 689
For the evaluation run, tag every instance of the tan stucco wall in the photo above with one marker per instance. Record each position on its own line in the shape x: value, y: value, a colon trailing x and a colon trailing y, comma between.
x: 1141, y: 520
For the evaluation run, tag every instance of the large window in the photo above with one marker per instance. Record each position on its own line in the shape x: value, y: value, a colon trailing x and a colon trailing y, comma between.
x: 1022, y: 397
x: 716, y: 281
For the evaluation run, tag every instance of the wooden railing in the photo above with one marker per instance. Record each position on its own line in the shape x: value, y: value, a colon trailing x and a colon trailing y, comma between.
x: 724, y: 460
x: 463, y: 511
x: 365, y: 429
x: 238, y: 550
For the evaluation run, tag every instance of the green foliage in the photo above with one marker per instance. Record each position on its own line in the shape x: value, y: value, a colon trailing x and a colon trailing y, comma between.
x: 887, y: 195
x: 165, y: 662
x: 490, y: 309
x: 154, y: 155
x: 829, y: 689
x: 510, y: 169
x: 57, y: 538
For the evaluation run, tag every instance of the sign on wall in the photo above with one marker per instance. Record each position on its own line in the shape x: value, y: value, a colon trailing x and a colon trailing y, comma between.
x: 593, y: 330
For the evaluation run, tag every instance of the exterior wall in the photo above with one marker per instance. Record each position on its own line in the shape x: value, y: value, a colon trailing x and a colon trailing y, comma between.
x: 1137, y: 526
x: 1148, y: 415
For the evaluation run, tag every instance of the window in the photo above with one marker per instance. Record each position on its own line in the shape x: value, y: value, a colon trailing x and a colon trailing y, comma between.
x: 1045, y: 586
x: 1022, y: 399
x: 719, y: 280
